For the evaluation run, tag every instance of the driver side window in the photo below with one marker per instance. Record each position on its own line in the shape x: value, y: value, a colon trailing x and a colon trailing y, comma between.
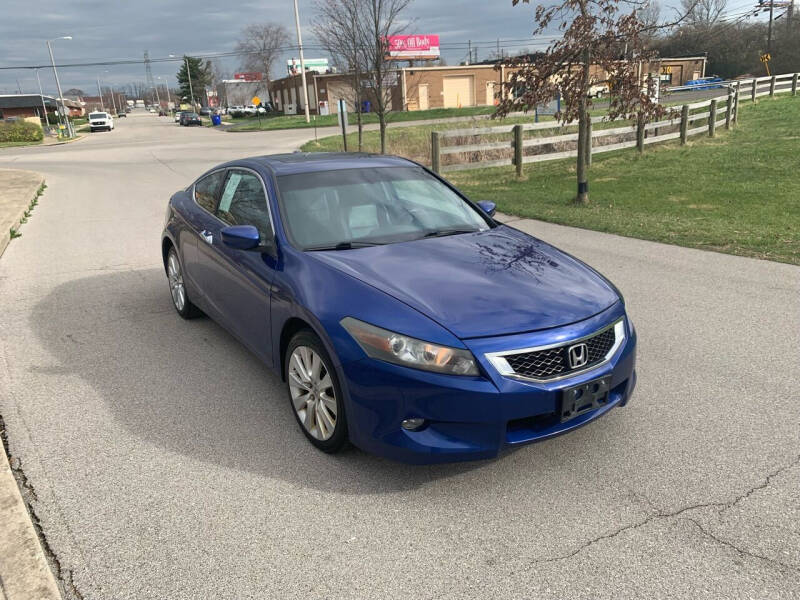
x: 242, y: 202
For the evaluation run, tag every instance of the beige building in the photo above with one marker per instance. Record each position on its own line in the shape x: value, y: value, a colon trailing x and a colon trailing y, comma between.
x: 423, y: 88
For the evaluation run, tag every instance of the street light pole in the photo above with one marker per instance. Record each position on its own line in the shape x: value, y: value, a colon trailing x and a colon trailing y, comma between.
x: 41, y: 96
x: 302, y: 62
x: 189, y: 77
x: 58, y: 84
x: 166, y: 87
x: 158, y: 99
x: 99, y: 91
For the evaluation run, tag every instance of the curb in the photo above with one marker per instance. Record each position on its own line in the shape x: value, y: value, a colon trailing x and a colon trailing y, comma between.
x: 77, y: 138
x: 24, y: 572
x: 5, y: 236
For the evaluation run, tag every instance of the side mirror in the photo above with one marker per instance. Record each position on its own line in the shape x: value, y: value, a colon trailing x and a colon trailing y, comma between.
x: 487, y: 206
x: 241, y: 237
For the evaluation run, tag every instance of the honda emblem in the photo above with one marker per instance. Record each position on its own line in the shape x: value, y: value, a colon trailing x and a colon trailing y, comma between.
x: 578, y: 356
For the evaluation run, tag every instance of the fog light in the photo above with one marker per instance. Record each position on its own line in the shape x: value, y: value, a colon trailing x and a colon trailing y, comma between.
x: 413, y: 424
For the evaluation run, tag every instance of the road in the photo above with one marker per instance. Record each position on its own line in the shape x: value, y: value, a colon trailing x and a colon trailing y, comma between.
x: 166, y: 462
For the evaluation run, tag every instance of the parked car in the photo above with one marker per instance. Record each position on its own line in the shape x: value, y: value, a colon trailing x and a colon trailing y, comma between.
x: 250, y: 109
x: 205, y: 111
x: 178, y: 116
x: 190, y: 118
x: 100, y: 120
x: 598, y: 90
x: 705, y: 83
x: 162, y: 112
x: 122, y: 114
x: 401, y: 316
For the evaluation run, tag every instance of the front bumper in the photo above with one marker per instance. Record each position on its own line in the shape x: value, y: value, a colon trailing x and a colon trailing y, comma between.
x: 470, y: 418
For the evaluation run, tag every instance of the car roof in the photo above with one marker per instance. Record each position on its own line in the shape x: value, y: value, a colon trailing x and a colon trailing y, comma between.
x: 308, y: 162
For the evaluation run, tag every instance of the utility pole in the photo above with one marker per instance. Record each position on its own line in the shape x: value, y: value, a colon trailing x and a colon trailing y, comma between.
x: 302, y: 61
x: 113, y: 101
x: 789, y: 15
x: 469, y: 51
x: 769, y: 31
x: 41, y: 96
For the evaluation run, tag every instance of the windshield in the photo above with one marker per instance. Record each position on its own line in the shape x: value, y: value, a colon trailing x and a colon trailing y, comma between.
x: 98, y: 115
x: 352, y: 207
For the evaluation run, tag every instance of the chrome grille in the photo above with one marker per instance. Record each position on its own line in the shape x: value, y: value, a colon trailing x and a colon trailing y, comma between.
x: 553, y: 362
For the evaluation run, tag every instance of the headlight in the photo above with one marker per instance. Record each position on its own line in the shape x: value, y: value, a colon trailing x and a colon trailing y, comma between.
x: 409, y: 352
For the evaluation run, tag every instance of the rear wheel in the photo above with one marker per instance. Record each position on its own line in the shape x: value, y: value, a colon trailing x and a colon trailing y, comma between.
x: 177, y: 287
x: 314, y: 392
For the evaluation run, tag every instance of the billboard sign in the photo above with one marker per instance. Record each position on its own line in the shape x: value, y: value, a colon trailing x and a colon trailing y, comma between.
x: 251, y: 76
x: 316, y: 65
x: 413, y: 47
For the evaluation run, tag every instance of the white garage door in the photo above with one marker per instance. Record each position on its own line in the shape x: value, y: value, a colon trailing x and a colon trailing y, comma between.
x: 459, y: 91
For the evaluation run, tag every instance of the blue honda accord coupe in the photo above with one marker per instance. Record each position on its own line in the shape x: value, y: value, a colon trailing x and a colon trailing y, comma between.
x: 402, y: 317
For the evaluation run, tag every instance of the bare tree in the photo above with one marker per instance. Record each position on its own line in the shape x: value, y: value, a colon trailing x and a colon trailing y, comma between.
x: 337, y: 26
x: 702, y: 14
x: 380, y: 20
x: 260, y: 44
x: 589, y: 51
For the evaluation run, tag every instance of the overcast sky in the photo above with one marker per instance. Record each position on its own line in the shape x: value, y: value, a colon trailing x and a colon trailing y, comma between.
x: 105, y: 30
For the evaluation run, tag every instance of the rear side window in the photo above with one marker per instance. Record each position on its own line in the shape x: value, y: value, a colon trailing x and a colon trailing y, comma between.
x: 206, y: 190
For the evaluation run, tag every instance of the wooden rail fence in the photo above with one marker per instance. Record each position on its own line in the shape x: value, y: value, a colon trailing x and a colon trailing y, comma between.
x: 478, y: 148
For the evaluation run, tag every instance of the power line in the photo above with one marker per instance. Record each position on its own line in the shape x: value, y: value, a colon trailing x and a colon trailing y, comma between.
x: 540, y: 41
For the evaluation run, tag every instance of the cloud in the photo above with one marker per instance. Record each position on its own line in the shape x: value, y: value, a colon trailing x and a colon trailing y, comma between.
x: 104, y: 31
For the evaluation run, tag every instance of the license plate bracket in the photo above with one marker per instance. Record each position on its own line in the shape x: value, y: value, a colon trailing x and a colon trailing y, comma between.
x: 580, y: 399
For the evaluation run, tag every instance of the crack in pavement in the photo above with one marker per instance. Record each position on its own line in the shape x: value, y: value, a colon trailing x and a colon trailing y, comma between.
x: 62, y: 574
x: 721, y: 507
x: 742, y: 551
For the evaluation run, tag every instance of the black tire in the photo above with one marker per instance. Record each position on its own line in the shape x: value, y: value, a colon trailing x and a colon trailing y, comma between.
x: 338, y: 439
x: 186, y: 309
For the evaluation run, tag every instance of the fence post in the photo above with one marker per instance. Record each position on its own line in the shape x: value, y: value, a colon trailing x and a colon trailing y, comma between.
x: 794, y: 85
x: 772, y: 86
x: 589, y: 143
x: 736, y: 105
x: 712, y: 118
x: 640, y: 134
x: 435, y: 151
x: 729, y: 107
x: 753, y: 91
x: 684, y: 123
x: 518, y: 149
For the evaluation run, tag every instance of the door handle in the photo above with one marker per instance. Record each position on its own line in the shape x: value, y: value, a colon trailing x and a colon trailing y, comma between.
x: 207, y: 236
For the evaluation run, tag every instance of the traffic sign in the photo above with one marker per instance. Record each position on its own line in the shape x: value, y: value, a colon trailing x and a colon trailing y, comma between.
x: 255, y: 101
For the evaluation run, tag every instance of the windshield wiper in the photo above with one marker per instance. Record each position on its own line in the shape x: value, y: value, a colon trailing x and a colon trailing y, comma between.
x: 344, y: 246
x: 444, y: 232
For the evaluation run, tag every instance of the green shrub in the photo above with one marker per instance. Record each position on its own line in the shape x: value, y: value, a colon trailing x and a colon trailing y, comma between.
x: 20, y: 131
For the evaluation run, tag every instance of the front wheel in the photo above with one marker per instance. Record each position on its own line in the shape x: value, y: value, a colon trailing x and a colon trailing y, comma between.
x: 315, y: 393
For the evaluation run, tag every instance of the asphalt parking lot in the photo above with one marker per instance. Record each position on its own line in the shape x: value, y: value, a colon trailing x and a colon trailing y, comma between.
x: 166, y: 462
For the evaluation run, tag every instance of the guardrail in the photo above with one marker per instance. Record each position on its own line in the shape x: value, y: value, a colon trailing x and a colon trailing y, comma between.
x: 477, y: 148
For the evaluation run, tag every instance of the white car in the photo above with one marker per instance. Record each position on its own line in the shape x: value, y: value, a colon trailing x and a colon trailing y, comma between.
x: 178, y: 116
x: 250, y: 109
x: 100, y: 120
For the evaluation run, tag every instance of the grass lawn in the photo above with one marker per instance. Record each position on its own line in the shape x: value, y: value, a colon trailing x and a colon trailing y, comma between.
x: 299, y: 121
x: 14, y: 144
x: 737, y: 193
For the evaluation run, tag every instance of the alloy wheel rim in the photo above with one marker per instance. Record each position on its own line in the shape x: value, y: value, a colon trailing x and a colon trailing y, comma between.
x: 311, y: 389
x: 176, y: 282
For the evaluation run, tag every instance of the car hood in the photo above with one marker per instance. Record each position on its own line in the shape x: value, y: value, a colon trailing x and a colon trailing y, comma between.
x: 494, y: 282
